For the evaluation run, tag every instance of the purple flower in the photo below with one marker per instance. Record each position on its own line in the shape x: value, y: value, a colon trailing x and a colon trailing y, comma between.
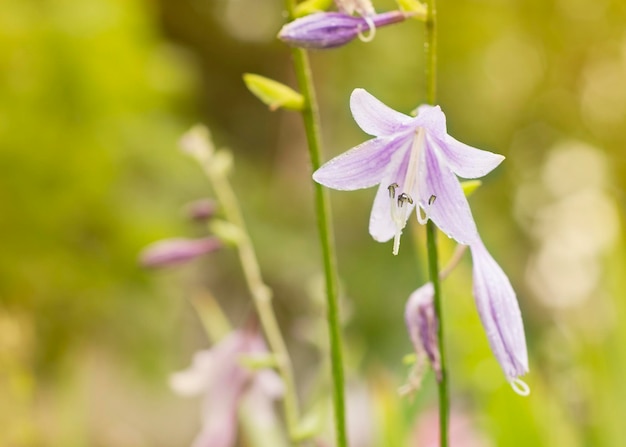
x: 176, y: 251
x: 416, y: 164
x: 218, y: 375
x: 421, y: 322
x: 333, y: 29
x: 201, y: 209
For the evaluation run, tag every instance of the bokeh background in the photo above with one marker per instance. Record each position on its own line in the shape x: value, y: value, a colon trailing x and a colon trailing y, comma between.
x: 94, y: 95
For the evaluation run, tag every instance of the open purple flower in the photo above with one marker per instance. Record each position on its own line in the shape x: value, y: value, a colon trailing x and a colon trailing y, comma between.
x: 415, y: 163
x: 333, y: 29
x: 218, y: 375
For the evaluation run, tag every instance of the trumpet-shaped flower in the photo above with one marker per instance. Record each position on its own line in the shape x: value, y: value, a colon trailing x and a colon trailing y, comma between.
x: 416, y: 163
x: 218, y: 375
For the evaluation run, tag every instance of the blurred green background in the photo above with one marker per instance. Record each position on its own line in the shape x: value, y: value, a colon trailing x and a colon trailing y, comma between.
x: 94, y: 95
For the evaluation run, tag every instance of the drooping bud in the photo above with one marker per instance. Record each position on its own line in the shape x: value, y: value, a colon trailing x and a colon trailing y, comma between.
x: 176, y: 251
x: 200, y: 210
x: 333, y: 29
x: 422, y: 325
x: 273, y: 93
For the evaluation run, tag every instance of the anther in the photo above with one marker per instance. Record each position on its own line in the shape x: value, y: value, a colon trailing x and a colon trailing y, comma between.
x: 404, y: 197
x: 432, y: 199
x: 392, y: 190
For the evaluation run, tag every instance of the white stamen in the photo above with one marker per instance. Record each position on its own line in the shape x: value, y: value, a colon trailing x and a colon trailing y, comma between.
x: 520, y: 387
x: 401, y: 205
x: 372, y: 30
x: 420, y: 219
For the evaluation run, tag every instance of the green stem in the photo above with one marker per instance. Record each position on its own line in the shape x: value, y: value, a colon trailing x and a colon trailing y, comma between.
x: 310, y: 116
x: 430, y: 47
x: 261, y: 296
x: 433, y: 266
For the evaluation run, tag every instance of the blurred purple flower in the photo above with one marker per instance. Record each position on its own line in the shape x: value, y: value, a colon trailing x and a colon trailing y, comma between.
x: 201, y: 209
x: 333, y: 29
x: 421, y: 323
x: 416, y: 164
x: 176, y: 251
x: 218, y: 375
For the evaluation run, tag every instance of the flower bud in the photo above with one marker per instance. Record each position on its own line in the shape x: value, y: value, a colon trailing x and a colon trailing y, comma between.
x: 200, y: 210
x: 176, y: 251
x: 421, y: 322
x: 334, y: 29
x: 197, y: 143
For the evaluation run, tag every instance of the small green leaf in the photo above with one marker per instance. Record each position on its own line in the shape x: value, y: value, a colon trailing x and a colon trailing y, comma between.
x: 226, y: 231
x: 310, y: 6
x: 409, y: 359
x: 469, y: 186
x: 273, y: 93
x: 413, y: 8
x: 257, y: 362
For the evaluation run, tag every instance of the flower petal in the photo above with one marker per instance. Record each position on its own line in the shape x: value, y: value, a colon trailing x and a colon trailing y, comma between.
x: 467, y: 161
x: 442, y: 198
x: 499, y: 313
x: 361, y: 167
x: 382, y: 227
x: 432, y: 119
x: 374, y: 117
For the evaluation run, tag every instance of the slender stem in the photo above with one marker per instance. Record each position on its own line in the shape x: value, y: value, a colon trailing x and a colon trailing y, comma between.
x: 433, y: 266
x: 310, y: 116
x: 261, y: 295
x: 430, y: 48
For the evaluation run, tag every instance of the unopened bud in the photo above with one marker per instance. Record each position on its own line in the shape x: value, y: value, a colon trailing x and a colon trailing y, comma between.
x: 201, y: 209
x: 421, y: 323
x: 334, y: 29
x: 176, y: 251
x: 197, y: 143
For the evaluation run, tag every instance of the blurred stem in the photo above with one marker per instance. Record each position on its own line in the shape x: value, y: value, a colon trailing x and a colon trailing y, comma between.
x: 430, y: 48
x: 310, y: 116
x: 261, y: 295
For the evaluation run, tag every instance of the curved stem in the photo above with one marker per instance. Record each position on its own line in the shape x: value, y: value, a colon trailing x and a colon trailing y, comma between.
x: 430, y: 47
x: 310, y: 116
x: 261, y: 296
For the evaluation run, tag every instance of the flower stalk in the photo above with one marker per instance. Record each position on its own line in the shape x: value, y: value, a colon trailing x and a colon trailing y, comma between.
x: 430, y: 48
x: 261, y: 293
x: 310, y: 117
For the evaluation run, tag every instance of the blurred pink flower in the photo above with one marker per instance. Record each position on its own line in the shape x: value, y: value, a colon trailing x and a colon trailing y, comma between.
x: 218, y: 374
x: 462, y: 431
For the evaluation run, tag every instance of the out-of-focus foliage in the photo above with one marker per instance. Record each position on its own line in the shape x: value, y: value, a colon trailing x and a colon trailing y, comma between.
x: 93, y: 97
